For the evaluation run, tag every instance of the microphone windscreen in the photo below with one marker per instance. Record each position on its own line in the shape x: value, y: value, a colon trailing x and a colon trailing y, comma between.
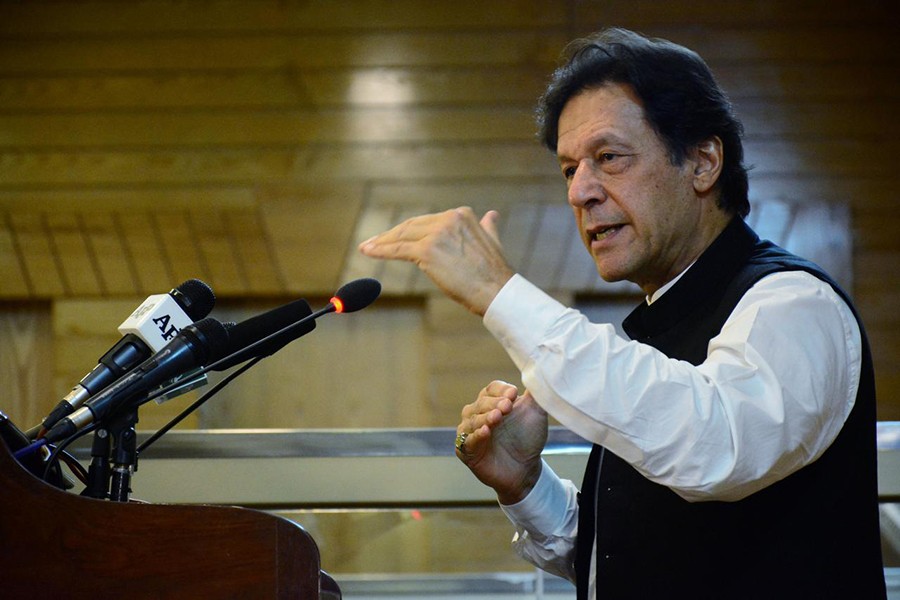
x: 358, y: 294
x: 256, y: 328
x: 195, y: 297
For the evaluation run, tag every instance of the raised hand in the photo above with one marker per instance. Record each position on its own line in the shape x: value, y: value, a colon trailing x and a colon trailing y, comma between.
x: 461, y: 254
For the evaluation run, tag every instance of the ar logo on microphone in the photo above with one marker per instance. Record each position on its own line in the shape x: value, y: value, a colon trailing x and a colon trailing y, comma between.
x: 166, y: 331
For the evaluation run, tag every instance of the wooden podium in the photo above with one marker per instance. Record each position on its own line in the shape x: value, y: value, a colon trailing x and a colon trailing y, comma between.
x: 57, y: 544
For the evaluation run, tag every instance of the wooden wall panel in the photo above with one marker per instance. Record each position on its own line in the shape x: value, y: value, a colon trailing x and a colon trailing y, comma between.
x: 180, y: 245
x: 286, y: 51
x: 76, y: 262
x: 13, y: 274
x: 253, y: 144
x: 359, y: 370
x: 26, y: 359
x: 142, y: 245
x: 465, y: 86
x: 744, y: 13
x: 273, y: 16
x: 36, y: 252
x: 462, y: 359
x: 115, y: 276
x: 252, y: 248
x: 271, y: 128
x: 309, y: 239
x: 226, y: 272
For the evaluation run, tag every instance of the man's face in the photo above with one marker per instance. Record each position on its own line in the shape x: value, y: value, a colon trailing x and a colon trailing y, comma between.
x: 638, y: 214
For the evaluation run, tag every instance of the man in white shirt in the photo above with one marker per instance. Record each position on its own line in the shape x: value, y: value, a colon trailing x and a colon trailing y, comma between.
x: 734, y: 432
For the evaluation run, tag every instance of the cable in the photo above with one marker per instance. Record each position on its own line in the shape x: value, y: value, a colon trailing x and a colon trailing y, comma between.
x: 57, y: 450
x: 76, y: 467
x: 181, y: 416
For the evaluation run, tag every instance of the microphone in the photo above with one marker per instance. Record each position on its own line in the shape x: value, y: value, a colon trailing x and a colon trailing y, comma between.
x: 356, y: 295
x: 265, y: 334
x: 189, y: 302
x: 351, y: 297
x: 195, y: 345
x: 268, y: 335
x: 160, y: 317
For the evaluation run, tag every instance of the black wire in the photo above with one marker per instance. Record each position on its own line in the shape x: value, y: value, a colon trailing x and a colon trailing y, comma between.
x: 57, y: 450
x: 76, y: 467
x: 181, y: 416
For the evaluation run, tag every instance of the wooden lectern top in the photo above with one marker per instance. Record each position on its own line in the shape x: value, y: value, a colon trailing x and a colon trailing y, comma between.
x: 57, y: 544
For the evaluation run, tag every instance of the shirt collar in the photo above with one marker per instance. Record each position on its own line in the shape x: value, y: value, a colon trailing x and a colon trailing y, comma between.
x: 658, y: 293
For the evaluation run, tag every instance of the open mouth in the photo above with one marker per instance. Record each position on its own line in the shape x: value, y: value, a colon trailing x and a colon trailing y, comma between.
x: 604, y: 232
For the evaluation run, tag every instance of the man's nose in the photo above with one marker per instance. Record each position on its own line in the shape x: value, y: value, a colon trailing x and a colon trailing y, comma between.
x: 585, y: 186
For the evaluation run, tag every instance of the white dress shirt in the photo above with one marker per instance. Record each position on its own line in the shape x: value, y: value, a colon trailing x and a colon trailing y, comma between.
x: 772, y: 394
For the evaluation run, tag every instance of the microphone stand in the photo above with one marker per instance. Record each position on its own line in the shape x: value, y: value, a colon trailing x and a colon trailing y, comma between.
x: 124, y: 455
x: 113, y: 457
x: 98, y: 472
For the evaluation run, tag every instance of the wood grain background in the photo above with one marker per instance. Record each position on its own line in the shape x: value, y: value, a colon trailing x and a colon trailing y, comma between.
x: 252, y: 143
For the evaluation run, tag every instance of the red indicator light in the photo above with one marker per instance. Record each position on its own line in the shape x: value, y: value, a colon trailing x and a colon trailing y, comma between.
x: 338, y: 304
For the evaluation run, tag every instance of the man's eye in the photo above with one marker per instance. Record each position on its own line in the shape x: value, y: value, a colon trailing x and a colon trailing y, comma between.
x: 607, y: 156
x: 569, y: 172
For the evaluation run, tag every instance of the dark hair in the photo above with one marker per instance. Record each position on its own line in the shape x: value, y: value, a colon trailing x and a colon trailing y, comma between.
x: 682, y: 101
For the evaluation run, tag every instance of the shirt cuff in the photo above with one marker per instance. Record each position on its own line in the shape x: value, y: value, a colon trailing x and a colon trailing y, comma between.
x: 518, y: 302
x: 543, y: 511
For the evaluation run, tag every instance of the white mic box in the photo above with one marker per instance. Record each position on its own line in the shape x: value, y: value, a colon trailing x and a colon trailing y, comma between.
x: 156, y: 321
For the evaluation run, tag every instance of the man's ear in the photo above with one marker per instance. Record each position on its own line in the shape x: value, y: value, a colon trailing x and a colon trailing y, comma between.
x: 707, y: 164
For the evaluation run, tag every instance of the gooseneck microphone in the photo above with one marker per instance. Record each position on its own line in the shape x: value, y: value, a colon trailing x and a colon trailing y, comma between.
x: 252, y: 339
x: 267, y: 333
x: 356, y: 295
x: 270, y: 325
x: 145, y: 331
x: 196, y: 345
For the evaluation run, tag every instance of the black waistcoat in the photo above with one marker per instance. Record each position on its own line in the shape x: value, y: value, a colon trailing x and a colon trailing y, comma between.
x: 814, y: 534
